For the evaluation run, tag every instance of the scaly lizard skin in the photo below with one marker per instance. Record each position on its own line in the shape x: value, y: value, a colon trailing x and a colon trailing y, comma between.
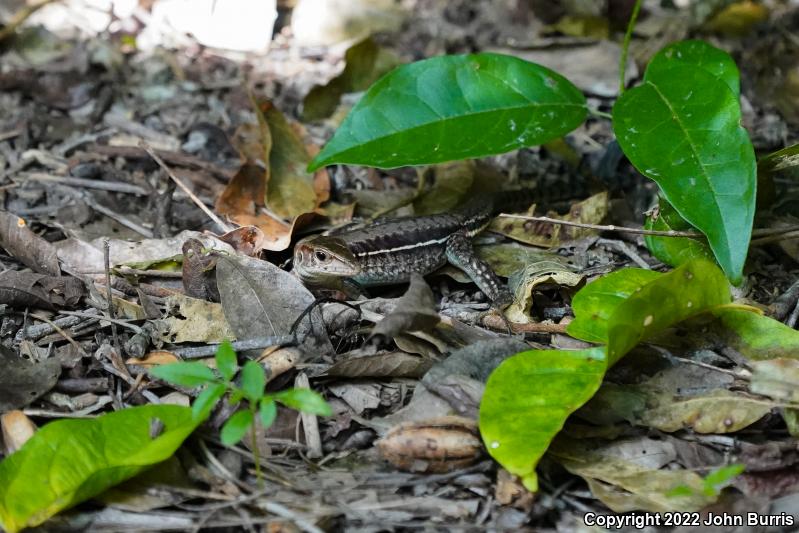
x: 389, y: 251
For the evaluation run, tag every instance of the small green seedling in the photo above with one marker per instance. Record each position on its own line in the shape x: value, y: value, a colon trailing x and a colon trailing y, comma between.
x: 714, y: 482
x: 251, y: 388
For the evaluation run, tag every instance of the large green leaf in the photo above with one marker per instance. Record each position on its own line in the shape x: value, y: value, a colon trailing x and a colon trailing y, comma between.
x: 595, y: 303
x: 681, y: 128
x: 455, y: 107
x: 673, y: 251
x: 528, y: 399
x: 69, y: 461
x: 693, y: 288
x: 756, y: 336
x: 698, y: 54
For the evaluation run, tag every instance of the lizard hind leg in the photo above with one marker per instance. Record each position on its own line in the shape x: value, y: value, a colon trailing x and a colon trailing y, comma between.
x: 461, y: 254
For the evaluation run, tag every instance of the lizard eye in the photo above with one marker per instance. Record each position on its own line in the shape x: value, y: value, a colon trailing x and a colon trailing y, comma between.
x: 321, y: 256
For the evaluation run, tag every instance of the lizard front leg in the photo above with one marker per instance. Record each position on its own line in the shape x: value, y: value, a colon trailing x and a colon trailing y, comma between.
x: 460, y: 253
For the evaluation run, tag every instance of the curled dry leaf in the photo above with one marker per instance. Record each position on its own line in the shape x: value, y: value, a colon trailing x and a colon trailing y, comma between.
x: 26, y: 289
x: 415, y: 310
x: 436, y: 445
x: 279, y: 359
x: 199, y: 278
x: 33, y: 251
x: 22, y: 381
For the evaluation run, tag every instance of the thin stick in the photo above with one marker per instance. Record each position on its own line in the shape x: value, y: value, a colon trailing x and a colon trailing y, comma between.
x: 218, y: 221
x: 763, y: 232
x: 63, y: 333
x: 109, y: 298
x: 20, y: 17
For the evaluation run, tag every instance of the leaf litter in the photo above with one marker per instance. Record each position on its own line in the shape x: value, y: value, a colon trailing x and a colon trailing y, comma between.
x: 87, y: 212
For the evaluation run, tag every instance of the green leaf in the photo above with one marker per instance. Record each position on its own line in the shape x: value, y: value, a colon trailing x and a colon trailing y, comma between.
x: 236, y: 427
x: 681, y: 128
x: 694, y: 287
x: 527, y: 400
x: 304, y: 400
x: 69, y: 461
x: 673, y: 251
x: 253, y: 381
x: 268, y: 411
x: 455, y: 107
x: 594, y: 304
x: 780, y: 160
x: 226, y: 361
x: 698, y: 54
x: 205, y: 402
x: 756, y: 336
x: 184, y: 374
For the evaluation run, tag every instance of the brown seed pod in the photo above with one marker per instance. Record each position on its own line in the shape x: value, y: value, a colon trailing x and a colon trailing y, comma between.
x: 432, y: 446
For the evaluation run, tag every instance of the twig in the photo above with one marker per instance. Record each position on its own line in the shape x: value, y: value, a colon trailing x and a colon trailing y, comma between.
x: 109, y: 297
x: 195, y: 352
x: 113, y: 186
x: 21, y: 16
x: 791, y: 234
x: 762, y: 232
x: 218, y: 221
x: 122, y: 323
x: 63, y: 333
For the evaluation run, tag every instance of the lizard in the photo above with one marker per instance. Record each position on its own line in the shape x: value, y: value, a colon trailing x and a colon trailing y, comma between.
x: 389, y: 250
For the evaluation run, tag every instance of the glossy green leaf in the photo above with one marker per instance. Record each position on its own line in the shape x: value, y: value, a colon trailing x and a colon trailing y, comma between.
x: 304, y: 400
x: 205, y: 402
x: 780, y: 160
x: 226, y: 361
x: 698, y: 54
x: 184, y: 374
x: 268, y: 412
x: 253, y: 381
x: 673, y: 251
x: 455, y: 107
x: 594, y: 304
x: 69, y: 461
x: 694, y: 287
x: 681, y: 127
x: 756, y: 336
x: 528, y: 399
x: 236, y: 427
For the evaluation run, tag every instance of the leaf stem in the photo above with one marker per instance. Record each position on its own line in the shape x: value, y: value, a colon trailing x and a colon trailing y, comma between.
x: 256, y: 453
x: 626, y: 45
x: 599, y: 114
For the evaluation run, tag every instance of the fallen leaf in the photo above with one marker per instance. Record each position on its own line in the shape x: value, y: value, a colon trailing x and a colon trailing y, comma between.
x: 415, y: 310
x: 16, y: 430
x: 259, y: 299
x: 24, y: 245
x: 777, y: 378
x: 384, y: 365
x: 196, y: 321
x: 26, y: 289
x: 536, y: 275
x: 365, y: 62
x: 23, y: 381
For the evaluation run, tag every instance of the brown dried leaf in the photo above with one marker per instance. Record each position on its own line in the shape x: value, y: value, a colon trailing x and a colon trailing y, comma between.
x: 33, y: 251
x: 26, y: 289
x: 415, y: 310
x: 22, y: 381
x: 259, y: 299
x: 199, y: 278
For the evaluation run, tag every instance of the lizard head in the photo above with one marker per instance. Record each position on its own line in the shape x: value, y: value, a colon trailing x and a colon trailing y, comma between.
x: 321, y: 258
